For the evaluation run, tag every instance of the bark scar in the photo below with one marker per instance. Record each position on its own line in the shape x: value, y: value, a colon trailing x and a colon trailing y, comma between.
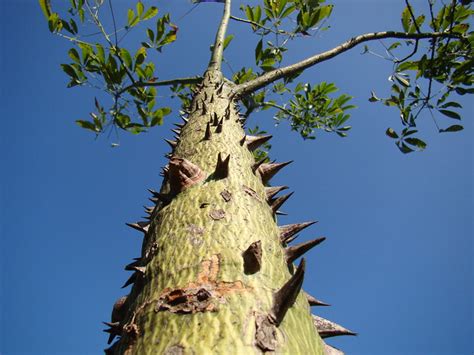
x: 202, y: 295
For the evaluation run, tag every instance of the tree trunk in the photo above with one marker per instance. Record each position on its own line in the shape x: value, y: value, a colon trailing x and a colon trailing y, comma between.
x: 214, y: 277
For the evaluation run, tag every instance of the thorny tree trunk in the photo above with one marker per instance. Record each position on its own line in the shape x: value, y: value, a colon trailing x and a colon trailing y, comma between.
x: 212, y: 258
x: 215, y: 275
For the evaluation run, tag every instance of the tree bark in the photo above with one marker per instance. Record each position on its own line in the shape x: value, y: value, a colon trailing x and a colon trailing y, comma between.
x: 212, y: 261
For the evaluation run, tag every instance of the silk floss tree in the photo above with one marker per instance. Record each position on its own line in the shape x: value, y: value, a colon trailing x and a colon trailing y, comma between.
x: 216, y: 274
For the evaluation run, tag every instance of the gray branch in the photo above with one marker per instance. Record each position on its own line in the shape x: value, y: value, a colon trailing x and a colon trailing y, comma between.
x: 274, y: 75
x: 217, y: 53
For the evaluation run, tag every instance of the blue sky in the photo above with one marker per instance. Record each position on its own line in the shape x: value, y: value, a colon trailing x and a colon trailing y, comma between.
x: 397, y: 262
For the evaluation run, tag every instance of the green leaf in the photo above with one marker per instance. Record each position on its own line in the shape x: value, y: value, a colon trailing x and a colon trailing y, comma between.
x: 450, y: 114
x: 406, y: 19
x: 74, y: 55
x: 140, y: 9
x: 451, y: 104
x: 391, y: 133
x: 453, y: 128
x: 150, y: 13
x: 46, y: 8
x: 87, y: 125
x: 416, y: 142
x: 127, y: 58
x: 227, y: 40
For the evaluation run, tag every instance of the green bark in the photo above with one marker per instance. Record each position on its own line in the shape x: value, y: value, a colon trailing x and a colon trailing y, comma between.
x: 191, y: 294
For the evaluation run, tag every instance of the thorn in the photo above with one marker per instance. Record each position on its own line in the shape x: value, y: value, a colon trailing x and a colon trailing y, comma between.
x: 176, y: 138
x: 281, y: 213
x: 184, y: 118
x: 132, y: 265
x: 284, y: 298
x: 328, y: 329
x: 294, y: 252
x: 204, y: 108
x: 219, y: 125
x: 149, y: 210
x: 278, y: 202
x: 253, y: 258
x: 222, y: 167
x: 268, y: 170
x: 112, y: 350
x: 273, y: 190
x: 114, y: 330
x: 179, y: 125
x: 183, y: 174
x: 141, y: 226
x: 215, y: 122
x: 242, y: 141
x: 253, y: 142
x: 211, y: 100
x: 176, y: 131
x: 171, y: 143
x: 168, y: 155
x: 130, y: 280
x: 257, y: 165
x: 315, y: 302
x: 208, y: 134
x: 119, y: 310
x: 289, y: 230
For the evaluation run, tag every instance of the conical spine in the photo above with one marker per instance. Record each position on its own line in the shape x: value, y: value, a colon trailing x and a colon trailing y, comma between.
x: 294, y: 252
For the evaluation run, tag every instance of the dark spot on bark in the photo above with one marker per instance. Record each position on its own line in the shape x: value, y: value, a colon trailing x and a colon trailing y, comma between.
x: 217, y: 214
x: 226, y: 195
x: 185, y: 301
x: 253, y: 258
x: 204, y: 205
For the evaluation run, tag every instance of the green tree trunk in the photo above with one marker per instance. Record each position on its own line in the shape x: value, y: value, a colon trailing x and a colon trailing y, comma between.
x: 212, y: 260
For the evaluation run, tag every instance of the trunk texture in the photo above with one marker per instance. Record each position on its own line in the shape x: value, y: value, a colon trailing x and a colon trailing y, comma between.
x: 214, y: 276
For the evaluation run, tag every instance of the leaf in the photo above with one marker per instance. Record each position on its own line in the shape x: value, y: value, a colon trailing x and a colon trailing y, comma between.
x: 227, y: 40
x: 391, y: 133
x: 406, y: 19
x: 74, y: 55
x: 451, y: 104
x: 150, y: 13
x: 46, y: 8
x: 453, y: 128
x: 87, y: 125
x: 127, y: 58
x: 416, y: 142
x: 450, y: 114
x: 140, y: 8
x: 373, y: 97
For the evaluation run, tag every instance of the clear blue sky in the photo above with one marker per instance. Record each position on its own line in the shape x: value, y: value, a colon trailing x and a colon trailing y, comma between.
x: 397, y: 264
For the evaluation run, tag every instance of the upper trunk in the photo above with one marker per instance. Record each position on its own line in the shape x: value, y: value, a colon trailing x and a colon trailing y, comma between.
x: 213, y: 276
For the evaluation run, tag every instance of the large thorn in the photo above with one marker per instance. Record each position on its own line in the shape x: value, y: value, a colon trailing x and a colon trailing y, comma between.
x: 119, y: 310
x: 258, y: 164
x: 222, y: 167
x: 278, y: 202
x: 157, y: 197
x: 330, y: 350
x: 176, y: 131
x: 215, y: 121
x: 134, y: 264
x: 268, y: 170
x: 132, y: 279
x: 328, y: 329
x: 171, y: 143
x: 289, y: 230
x: 253, y: 142
x: 208, y: 133
x: 183, y: 174
x: 273, y: 190
x: 114, y: 330
x: 220, y: 125
x: 284, y: 298
x: 141, y: 226
x: 294, y: 252
x: 314, y: 301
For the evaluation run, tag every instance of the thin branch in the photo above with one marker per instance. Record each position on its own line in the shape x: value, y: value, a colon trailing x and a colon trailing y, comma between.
x: 216, y: 59
x: 274, y: 75
x: 412, y: 15
x: 141, y: 84
x: 253, y: 23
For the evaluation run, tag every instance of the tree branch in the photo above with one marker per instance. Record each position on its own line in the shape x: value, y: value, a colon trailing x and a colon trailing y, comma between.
x: 274, y: 75
x: 216, y: 59
x: 256, y: 24
x: 141, y: 84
